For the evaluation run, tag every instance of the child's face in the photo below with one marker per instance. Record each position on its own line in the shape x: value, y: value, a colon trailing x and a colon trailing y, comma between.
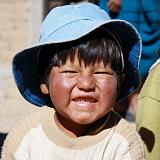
x: 82, y: 94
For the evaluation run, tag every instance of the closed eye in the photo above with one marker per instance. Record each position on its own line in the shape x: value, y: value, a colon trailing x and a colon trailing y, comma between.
x: 110, y: 73
x: 69, y: 72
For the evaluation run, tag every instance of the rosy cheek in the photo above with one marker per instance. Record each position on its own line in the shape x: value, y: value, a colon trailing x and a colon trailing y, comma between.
x: 66, y: 84
x: 60, y: 91
x: 109, y: 88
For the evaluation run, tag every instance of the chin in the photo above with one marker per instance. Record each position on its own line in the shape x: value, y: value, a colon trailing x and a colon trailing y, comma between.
x: 85, y: 121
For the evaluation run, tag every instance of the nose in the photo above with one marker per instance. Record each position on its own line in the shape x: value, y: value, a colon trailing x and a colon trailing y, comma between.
x: 86, y: 83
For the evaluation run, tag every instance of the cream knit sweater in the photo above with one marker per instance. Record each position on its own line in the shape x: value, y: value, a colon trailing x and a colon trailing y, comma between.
x: 37, y: 137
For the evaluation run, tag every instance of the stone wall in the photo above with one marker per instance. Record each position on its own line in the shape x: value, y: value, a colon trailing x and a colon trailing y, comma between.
x: 13, y: 27
x: 19, y: 27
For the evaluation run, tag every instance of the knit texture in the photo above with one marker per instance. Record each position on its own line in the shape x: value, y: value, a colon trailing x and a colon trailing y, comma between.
x: 37, y: 137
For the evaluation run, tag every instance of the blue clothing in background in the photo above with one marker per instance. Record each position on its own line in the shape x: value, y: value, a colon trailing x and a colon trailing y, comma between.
x: 145, y: 16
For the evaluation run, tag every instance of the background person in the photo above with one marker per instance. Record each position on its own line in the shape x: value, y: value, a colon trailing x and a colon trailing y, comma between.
x: 145, y: 16
x: 148, y: 112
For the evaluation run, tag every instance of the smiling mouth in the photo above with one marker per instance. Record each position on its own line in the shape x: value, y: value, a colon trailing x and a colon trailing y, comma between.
x: 84, y: 100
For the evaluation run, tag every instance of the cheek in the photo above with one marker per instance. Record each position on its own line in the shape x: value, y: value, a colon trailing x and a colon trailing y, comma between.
x: 109, y: 91
x: 60, y: 89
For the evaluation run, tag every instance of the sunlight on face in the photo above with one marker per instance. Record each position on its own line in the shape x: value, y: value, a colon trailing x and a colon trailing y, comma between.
x: 82, y: 94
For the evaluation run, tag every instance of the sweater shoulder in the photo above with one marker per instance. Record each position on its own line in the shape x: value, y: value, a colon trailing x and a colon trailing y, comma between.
x: 22, y: 127
x: 129, y: 133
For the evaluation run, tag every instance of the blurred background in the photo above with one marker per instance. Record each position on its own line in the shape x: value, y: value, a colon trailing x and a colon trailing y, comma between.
x: 19, y: 28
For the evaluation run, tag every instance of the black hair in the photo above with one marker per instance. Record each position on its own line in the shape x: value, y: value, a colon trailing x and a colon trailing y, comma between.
x: 93, y: 48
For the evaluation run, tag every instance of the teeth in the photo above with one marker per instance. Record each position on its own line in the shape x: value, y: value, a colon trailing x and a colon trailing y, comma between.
x: 85, y: 100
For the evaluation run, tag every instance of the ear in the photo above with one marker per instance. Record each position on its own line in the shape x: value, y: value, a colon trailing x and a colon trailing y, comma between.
x: 44, y: 88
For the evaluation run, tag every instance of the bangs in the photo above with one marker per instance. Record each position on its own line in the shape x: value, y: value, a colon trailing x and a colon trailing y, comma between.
x: 91, y: 49
x: 91, y: 52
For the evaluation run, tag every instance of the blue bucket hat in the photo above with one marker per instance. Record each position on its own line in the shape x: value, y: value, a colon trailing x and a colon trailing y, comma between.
x: 70, y: 23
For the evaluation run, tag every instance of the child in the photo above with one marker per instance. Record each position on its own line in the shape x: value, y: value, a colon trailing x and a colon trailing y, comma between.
x: 82, y: 66
x: 148, y: 112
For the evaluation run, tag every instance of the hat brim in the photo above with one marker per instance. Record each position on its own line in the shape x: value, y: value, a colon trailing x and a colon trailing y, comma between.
x: 25, y: 62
